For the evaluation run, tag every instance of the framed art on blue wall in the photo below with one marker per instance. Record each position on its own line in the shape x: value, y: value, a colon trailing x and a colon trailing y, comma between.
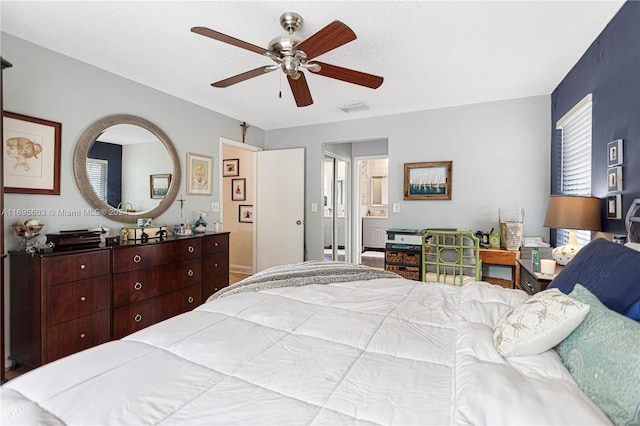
x: 614, y: 179
x: 614, y: 153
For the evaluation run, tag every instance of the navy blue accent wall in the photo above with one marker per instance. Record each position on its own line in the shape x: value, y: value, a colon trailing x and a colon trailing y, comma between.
x: 113, y: 154
x: 610, y: 70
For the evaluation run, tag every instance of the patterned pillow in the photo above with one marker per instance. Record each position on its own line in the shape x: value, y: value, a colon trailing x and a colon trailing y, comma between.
x: 538, y: 324
x: 603, y: 355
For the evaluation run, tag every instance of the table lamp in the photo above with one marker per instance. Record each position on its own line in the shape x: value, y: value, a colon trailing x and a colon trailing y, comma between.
x: 571, y: 212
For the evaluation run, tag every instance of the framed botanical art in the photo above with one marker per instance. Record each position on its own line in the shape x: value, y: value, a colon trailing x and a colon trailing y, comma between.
x: 427, y: 181
x: 231, y: 167
x: 238, y: 189
x: 614, y: 179
x: 31, y: 148
x: 614, y: 153
x: 614, y: 206
x: 199, y: 174
x: 245, y: 213
x: 159, y: 185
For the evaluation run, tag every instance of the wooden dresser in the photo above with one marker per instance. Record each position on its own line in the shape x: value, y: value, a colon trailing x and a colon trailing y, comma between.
x: 65, y: 302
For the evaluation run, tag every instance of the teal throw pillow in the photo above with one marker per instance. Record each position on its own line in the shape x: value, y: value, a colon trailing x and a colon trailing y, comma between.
x: 603, y: 355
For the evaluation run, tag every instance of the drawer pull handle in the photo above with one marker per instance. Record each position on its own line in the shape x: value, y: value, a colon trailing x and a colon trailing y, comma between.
x: 137, y: 318
x: 215, y: 265
x: 137, y: 285
x: 190, y: 272
x: 82, y: 299
x: 190, y: 299
x: 83, y: 266
x: 190, y: 249
x: 82, y: 335
x: 137, y: 258
x: 215, y: 244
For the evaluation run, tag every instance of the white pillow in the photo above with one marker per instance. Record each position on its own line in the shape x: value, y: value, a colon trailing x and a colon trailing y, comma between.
x: 538, y: 324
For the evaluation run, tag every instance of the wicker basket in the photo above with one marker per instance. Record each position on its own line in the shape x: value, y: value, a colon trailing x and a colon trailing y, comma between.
x: 511, y: 232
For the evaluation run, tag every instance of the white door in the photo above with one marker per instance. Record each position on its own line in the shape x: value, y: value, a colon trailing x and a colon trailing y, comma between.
x: 279, y: 210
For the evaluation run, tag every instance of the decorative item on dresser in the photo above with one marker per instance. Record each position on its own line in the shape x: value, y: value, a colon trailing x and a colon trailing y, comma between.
x: 67, y: 301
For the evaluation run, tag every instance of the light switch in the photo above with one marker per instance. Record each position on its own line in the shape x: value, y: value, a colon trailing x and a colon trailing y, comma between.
x: 396, y: 207
x: 314, y: 207
x: 215, y: 206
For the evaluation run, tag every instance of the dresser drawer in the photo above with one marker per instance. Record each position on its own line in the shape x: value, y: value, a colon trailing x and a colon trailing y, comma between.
x: 76, y: 335
x: 147, y: 256
x: 74, y: 267
x: 144, y: 284
x: 215, y: 264
x: 215, y: 243
x: 76, y: 299
x: 136, y: 316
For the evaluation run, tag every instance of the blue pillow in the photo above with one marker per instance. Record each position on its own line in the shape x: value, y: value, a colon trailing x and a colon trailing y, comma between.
x: 610, y: 271
x: 634, y: 311
x: 603, y: 356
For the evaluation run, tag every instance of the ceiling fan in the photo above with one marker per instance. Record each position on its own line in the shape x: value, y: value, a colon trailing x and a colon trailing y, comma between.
x: 293, y: 54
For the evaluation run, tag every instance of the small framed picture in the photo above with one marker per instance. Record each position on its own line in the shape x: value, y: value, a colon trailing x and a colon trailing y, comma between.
x: 615, y: 154
x: 238, y: 189
x: 199, y: 174
x: 614, y: 179
x: 159, y: 185
x: 231, y: 167
x: 245, y: 213
x: 614, y: 206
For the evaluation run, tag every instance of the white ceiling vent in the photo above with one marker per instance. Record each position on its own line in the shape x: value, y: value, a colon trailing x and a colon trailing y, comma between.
x: 359, y: 106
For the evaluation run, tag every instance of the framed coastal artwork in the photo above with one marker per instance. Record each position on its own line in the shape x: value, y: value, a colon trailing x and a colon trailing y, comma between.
x: 614, y: 179
x: 159, y: 185
x: 199, y: 174
x: 31, y: 154
x: 428, y: 181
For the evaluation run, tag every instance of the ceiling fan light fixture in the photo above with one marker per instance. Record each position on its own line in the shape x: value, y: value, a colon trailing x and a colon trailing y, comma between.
x: 357, y: 106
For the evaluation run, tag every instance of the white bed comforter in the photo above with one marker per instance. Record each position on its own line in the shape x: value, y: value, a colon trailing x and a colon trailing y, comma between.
x: 384, y: 351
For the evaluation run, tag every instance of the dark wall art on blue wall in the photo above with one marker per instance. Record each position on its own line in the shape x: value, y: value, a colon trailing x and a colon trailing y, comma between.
x: 610, y: 71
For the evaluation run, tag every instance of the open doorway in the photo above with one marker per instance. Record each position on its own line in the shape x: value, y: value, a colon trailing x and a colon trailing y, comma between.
x: 372, y: 211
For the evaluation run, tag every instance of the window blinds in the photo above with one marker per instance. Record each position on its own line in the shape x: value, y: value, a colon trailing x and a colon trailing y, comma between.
x: 575, y: 129
x: 97, y: 174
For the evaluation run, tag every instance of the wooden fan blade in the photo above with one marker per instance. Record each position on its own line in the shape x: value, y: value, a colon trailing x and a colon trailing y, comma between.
x: 228, y: 39
x: 300, y: 90
x: 333, y: 35
x: 244, y: 76
x: 350, y: 76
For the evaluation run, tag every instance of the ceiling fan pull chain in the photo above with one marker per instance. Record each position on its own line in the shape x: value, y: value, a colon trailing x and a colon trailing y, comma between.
x: 280, y: 94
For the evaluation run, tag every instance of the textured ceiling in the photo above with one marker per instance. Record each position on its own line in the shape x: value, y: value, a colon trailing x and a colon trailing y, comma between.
x: 432, y: 54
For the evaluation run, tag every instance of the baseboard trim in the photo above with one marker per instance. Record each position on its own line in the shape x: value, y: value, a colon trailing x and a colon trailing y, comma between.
x: 241, y: 269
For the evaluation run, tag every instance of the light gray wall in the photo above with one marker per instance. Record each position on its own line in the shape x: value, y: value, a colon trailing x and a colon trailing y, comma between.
x: 54, y: 87
x: 500, y: 154
x: 50, y: 86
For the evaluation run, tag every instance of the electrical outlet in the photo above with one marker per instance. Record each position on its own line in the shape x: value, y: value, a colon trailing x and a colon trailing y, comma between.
x: 239, y: 247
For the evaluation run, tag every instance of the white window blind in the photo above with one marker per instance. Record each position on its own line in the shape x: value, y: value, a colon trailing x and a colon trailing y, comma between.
x: 575, y: 177
x: 97, y: 173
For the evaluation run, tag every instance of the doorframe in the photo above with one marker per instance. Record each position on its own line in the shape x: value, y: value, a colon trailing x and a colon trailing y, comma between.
x: 238, y: 145
x: 348, y: 208
x: 357, y: 211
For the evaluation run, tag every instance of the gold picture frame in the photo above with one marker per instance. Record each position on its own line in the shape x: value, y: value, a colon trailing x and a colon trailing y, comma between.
x: 428, y: 180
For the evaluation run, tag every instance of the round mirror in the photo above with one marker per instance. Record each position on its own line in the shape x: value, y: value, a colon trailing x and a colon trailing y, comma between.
x: 126, y: 168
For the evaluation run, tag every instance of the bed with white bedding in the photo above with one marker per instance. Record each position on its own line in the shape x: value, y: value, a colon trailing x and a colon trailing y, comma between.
x: 368, y: 349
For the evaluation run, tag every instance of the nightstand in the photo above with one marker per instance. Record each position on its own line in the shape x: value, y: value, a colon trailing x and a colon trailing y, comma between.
x: 533, y: 282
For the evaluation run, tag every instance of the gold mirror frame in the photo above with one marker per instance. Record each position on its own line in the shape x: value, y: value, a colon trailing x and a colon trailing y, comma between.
x: 82, y: 180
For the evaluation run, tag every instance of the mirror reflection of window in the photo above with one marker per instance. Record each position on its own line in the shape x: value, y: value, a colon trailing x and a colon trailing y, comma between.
x: 97, y: 171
